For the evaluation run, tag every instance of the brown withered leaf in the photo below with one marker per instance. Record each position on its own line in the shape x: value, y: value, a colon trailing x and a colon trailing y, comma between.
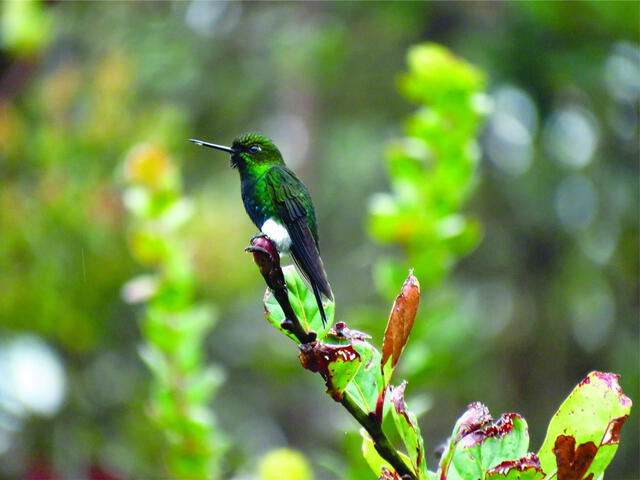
x: 388, y: 475
x: 474, y: 418
x: 528, y: 463
x: 401, y: 320
x: 573, y: 462
x: 612, y: 433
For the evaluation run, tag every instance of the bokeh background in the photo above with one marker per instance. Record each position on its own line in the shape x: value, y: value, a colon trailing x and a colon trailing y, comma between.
x: 549, y: 294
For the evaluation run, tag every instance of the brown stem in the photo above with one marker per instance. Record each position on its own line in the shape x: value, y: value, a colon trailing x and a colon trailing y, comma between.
x: 268, y: 260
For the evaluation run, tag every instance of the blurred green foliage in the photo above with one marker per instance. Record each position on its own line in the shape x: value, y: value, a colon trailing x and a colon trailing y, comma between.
x: 173, y: 326
x: 26, y: 28
x: 283, y: 461
x: 431, y: 170
x: 550, y: 292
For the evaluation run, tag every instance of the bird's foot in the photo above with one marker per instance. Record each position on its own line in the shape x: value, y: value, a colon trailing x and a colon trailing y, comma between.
x: 260, y: 235
x: 253, y: 248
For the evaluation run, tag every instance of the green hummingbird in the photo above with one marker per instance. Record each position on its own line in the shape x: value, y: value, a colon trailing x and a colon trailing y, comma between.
x: 279, y: 204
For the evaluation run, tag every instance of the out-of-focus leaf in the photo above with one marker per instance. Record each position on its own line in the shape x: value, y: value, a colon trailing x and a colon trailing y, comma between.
x: 438, y: 76
x: 26, y: 27
x: 525, y: 468
x: 201, y: 385
x: 285, y: 463
x: 156, y: 362
x: 407, y: 425
x: 303, y: 303
x: 150, y: 166
x: 401, y: 318
x: 586, y: 428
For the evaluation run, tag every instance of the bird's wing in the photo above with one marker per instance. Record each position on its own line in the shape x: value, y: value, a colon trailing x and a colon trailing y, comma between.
x: 292, y: 199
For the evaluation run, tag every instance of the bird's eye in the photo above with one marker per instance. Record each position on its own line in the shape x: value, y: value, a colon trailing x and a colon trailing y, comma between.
x: 254, y: 149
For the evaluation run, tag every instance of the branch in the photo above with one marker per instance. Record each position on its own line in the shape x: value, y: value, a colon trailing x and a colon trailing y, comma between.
x: 314, y: 354
x: 380, y: 441
x: 266, y: 256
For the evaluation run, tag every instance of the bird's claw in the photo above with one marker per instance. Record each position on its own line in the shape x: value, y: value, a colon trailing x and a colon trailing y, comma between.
x: 253, y: 248
x: 260, y: 235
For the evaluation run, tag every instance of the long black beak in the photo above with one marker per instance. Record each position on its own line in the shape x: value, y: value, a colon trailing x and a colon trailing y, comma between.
x: 212, y: 145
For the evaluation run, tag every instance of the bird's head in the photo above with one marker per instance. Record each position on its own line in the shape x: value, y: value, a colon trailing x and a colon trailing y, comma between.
x: 250, y: 150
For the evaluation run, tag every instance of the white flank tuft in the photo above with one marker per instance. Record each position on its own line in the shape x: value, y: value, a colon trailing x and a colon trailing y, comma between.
x: 278, y: 234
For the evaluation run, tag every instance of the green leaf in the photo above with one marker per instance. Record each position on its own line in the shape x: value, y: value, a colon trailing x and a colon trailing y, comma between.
x: 476, y: 446
x: 475, y: 417
x: 594, y: 412
x: 507, y: 439
x: 343, y: 367
x: 407, y: 425
x: 373, y: 458
x: 304, y: 306
x: 368, y: 383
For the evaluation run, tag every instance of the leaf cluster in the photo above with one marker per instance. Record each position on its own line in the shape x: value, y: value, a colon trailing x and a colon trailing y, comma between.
x: 581, y: 439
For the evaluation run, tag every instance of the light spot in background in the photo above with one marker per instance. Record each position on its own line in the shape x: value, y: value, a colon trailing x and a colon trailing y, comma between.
x: 139, y: 289
x: 491, y: 304
x: 622, y: 72
x: 511, y: 128
x: 576, y: 202
x: 600, y: 241
x: 621, y: 76
x: 623, y: 119
x: 571, y: 136
x: 291, y: 135
x: 32, y: 376
x: 208, y: 18
x: 592, y: 312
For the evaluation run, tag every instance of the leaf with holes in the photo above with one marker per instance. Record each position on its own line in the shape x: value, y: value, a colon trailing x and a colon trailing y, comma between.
x: 338, y: 365
x: 583, y: 435
x: 477, y: 445
x: 525, y: 468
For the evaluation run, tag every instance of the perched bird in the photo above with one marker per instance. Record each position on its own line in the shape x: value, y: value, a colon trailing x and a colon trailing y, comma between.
x: 279, y: 204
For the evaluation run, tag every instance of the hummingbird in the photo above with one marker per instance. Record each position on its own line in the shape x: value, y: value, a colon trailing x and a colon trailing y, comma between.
x: 280, y: 206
